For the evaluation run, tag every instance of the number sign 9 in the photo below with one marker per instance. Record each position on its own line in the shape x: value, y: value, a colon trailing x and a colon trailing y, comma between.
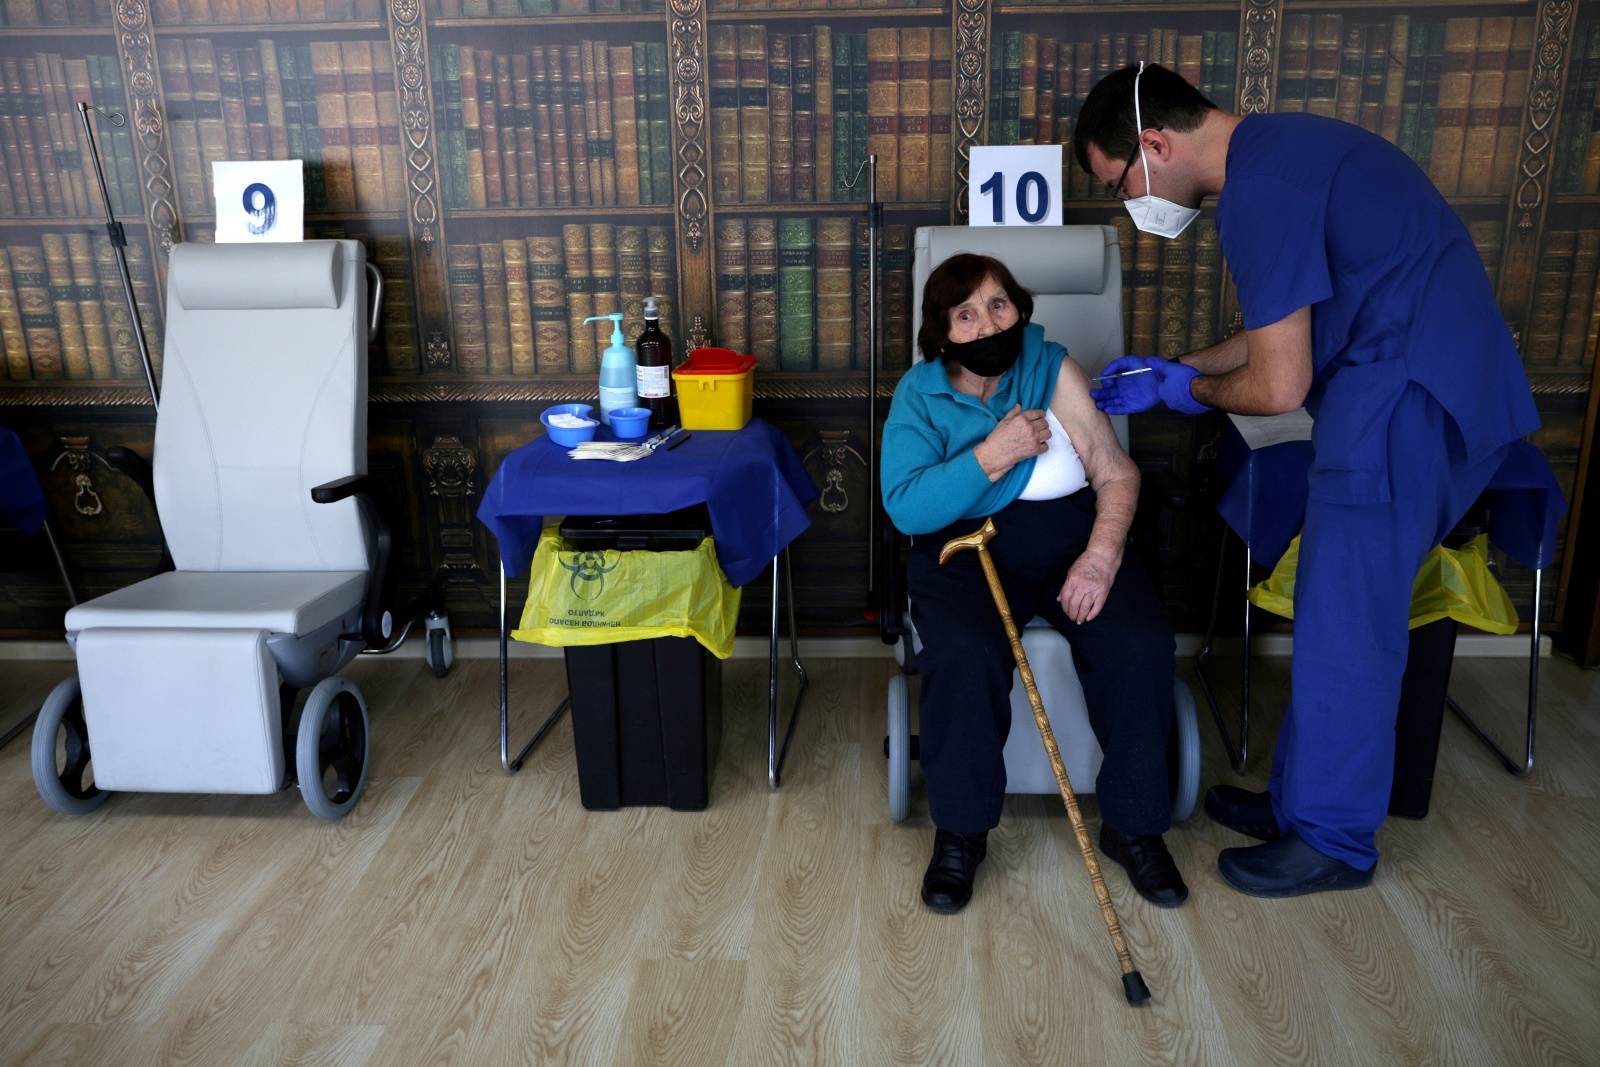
x: 261, y: 206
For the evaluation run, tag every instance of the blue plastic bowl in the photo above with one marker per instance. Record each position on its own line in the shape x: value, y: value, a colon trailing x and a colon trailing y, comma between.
x: 568, y: 437
x: 630, y: 424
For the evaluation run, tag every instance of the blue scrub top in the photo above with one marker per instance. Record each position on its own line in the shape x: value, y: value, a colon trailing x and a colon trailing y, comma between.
x: 1318, y: 212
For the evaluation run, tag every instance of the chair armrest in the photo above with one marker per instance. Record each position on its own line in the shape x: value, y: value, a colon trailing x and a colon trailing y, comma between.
x: 341, y: 489
x: 375, y: 297
x: 377, y: 613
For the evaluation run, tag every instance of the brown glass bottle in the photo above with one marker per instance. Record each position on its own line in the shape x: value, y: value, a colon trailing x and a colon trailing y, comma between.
x: 653, y: 350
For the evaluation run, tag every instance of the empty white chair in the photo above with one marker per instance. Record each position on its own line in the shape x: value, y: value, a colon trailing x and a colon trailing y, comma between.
x: 187, y: 681
x: 1075, y: 276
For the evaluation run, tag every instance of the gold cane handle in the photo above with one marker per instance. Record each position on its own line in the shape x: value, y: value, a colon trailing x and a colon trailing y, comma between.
x: 976, y: 539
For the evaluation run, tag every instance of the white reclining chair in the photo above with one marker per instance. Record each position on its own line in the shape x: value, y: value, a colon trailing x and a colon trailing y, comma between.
x: 187, y: 681
x: 1075, y: 276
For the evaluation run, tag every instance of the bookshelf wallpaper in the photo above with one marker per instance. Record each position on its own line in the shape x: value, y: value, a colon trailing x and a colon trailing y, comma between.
x: 517, y: 165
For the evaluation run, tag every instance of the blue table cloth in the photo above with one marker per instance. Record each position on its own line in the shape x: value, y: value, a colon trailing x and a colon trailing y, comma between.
x: 750, y: 480
x: 21, y: 495
x: 1264, y: 501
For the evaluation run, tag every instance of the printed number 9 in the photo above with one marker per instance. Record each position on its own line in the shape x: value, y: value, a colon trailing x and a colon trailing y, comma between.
x: 261, y: 206
x: 1030, y: 187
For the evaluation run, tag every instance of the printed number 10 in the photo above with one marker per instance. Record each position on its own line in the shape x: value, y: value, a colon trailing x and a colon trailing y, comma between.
x: 1030, y: 187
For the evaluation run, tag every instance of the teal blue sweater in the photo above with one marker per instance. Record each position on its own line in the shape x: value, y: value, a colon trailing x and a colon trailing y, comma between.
x: 931, y: 476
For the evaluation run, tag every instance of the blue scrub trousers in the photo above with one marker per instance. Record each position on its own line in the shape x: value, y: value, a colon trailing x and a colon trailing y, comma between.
x: 1334, y: 763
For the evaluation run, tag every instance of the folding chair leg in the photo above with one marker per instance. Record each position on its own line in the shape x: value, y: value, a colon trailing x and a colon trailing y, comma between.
x: 510, y: 765
x: 776, y: 753
x: 61, y: 563
x: 1238, y: 753
x: 1533, y: 697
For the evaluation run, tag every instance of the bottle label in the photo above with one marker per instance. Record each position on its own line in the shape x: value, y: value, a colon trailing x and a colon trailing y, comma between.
x: 655, y: 383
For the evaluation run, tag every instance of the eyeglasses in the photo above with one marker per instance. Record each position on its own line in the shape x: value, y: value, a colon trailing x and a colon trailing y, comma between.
x: 1117, y: 191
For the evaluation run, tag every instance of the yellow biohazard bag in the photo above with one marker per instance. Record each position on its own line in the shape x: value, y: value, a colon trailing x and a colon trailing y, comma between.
x: 1451, y: 583
x: 598, y: 598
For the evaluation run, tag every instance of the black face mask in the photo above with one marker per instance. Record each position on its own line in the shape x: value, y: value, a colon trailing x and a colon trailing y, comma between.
x: 992, y: 356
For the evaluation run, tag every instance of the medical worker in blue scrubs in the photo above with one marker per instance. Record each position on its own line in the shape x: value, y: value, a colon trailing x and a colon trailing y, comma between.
x: 1365, y: 301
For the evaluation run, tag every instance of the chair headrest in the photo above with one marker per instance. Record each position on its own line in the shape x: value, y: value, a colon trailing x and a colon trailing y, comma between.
x: 1045, y: 260
x: 240, y: 277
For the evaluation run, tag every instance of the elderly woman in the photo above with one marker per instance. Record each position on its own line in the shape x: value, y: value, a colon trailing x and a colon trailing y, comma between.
x: 998, y: 422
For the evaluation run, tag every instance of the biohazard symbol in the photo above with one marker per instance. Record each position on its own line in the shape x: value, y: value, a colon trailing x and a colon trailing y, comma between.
x: 589, y: 572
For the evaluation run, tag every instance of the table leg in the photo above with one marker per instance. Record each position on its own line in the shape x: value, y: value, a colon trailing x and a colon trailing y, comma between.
x: 1533, y: 697
x: 776, y: 754
x: 512, y: 766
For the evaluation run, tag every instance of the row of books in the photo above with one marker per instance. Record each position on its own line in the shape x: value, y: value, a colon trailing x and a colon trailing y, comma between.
x: 63, y: 313
x: 805, y: 5
x: 493, y: 8
x: 48, y: 166
x: 330, y: 103
x: 794, y: 115
x: 582, y: 124
x: 1038, y: 83
x: 208, y: 12
x: 1564, y: 329
x: 1170, y: 288
x: 1449, y: 94
x: 55, y: 12
x: 1577, y: 166
x: 519, y: 303
x: 793, y: 292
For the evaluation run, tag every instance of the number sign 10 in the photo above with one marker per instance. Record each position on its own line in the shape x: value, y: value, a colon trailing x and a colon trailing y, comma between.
x: 1015, y: 185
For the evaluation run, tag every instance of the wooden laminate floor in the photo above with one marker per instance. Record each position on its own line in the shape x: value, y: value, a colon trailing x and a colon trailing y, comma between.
x: 462, y: 916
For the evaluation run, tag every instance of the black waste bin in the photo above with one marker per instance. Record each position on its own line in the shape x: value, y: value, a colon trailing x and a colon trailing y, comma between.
x: 646, y: 715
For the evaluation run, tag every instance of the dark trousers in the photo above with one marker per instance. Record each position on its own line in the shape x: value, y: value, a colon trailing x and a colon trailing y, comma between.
x: 1124, y: 658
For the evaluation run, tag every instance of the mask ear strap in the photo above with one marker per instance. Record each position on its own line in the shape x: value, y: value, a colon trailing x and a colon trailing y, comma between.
x: 1138, y: 132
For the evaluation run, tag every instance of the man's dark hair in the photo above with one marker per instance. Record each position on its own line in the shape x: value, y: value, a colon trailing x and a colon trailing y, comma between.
x: 1166, y: 102
x: 949, y: 286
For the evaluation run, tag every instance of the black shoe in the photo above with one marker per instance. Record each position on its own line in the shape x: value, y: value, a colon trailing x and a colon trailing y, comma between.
x: 1287, y: 867
x: 947, y: 886
x: 1149, y: 865
x: 1244, y: 811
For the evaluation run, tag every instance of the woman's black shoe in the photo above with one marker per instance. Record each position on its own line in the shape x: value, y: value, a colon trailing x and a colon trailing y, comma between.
x: 1244, y: 811
x: 1149, y: 865
x: 947, y: 886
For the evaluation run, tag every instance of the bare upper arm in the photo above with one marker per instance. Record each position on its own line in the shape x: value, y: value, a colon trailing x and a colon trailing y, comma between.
x: 1281, y: 353
x: 1096, y: 442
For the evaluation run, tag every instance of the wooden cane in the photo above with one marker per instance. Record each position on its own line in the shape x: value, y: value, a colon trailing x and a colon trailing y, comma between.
x: 1133, y: 986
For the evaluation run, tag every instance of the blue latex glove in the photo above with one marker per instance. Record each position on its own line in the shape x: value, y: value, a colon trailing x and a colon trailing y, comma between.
x: 1175, y: 379
x: 1167, y: 382
x: 1133, y: 394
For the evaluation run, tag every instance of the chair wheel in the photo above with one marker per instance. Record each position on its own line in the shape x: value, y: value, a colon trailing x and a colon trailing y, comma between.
x: 62, y: 785
x: 1183, y: 755
x: 441, y: 645
x: 331, y: 748
x: 899, y: 748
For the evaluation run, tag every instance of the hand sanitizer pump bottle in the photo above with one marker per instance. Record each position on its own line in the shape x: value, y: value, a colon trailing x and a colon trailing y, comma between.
x: 618, y: 370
